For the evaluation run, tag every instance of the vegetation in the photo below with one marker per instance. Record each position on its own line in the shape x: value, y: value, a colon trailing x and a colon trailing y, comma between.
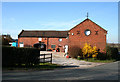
x: 99, y: 61
x: 89, y: 51
x: 41, y: 66
x: 6, y: 39
x: 13, y: 56
x: 75, y: 51
x: 92, y: 54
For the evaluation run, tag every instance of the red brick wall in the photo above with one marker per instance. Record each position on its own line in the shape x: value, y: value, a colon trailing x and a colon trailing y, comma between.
x: 80, y: 39
x: 27, y: 41
x: 55, y: 41
x: 30, y: 41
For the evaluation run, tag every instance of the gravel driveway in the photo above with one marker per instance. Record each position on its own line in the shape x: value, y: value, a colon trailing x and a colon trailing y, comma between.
x: 58, y: 58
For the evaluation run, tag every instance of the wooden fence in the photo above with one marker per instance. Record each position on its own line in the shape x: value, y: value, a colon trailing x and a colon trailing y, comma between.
x: 44, y: 58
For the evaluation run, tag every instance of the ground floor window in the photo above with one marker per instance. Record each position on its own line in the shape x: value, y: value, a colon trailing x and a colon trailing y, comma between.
x: 52, y: 46
x: 21, y: 44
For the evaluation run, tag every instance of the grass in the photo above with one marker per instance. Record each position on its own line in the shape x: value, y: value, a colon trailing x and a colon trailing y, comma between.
x: 41, y: 66
x: 99, y: 61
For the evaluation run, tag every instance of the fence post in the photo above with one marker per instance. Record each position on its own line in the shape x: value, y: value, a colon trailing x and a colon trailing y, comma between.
x: 51, y: 57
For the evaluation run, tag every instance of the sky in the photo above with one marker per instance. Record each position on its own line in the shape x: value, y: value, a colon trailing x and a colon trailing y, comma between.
x: 58, y: 16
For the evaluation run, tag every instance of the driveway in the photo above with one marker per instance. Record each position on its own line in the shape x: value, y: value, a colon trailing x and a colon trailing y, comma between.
x: 58, y: 58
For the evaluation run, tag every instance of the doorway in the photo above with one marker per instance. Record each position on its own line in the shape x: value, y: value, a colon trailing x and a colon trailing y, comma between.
x: 66, y: 48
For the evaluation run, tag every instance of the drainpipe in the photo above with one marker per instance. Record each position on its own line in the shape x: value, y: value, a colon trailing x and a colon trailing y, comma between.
x: 47, y: 43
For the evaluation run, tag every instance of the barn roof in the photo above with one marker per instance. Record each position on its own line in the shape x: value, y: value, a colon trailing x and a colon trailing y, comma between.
x: 91, y: 21
x: 47, y: 34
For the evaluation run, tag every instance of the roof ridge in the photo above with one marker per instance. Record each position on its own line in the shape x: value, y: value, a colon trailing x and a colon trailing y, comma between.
x: 48, y: 30
x: 91, y: 21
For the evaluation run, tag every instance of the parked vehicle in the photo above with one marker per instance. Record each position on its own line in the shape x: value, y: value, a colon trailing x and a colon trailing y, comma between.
x: 40, y: 46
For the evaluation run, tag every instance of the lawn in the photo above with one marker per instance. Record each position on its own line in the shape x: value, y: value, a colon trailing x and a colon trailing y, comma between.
x: 99, y: 61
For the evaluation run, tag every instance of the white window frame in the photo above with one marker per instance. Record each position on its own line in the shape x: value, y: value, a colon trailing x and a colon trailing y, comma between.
x: 39, y: 39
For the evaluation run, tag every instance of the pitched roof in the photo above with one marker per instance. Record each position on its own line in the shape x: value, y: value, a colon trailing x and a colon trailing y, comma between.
x: 91, y: 21
x: 47, y: 34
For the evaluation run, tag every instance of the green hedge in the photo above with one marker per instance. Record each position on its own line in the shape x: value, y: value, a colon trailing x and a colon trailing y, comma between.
x: 12, y: 56
x: 111, y: 53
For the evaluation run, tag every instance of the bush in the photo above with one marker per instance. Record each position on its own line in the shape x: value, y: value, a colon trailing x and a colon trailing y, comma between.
x: 12, y: 56
x: 101, y: 56
x: 89, y: 52
x: 75, y: 51
x: 111, y: 52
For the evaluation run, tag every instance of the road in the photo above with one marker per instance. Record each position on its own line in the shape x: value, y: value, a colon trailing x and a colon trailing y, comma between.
x: 102, y: 72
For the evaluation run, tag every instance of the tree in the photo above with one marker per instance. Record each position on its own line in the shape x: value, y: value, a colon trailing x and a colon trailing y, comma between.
x: 6, y: 39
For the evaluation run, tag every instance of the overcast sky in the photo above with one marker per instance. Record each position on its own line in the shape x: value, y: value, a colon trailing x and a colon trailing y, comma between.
x: 58, y: 16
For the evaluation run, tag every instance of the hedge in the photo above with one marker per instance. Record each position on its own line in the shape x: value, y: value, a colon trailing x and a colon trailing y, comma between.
x: 111, y: 53
x: 12, y: 56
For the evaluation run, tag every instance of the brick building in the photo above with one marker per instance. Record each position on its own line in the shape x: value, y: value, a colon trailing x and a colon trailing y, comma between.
x: 85, y: 32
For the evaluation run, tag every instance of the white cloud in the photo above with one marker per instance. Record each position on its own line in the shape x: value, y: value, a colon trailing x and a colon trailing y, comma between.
x: 66, y: 25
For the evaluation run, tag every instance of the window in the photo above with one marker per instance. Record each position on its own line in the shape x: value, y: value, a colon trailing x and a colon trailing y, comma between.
x: 52, y: 46
x: 21, y: 44
x: 87, y: 32
x: 39, y: 39
x: 72, y: 33
x: 60, y: 39
x: 4, y: 36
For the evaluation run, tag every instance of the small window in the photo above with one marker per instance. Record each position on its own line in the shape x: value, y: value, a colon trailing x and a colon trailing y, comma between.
x: 4, y: 36
x: 21, y: 44
x: 60, y: 39
x: 39, y: 39
x: 72, y: 33
x: 52, y: 46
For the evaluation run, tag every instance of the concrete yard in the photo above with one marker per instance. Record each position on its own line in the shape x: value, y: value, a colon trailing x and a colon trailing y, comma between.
x: 58, y: 58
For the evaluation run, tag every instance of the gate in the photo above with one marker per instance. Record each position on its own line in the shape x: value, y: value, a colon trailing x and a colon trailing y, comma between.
x: 44, y: 58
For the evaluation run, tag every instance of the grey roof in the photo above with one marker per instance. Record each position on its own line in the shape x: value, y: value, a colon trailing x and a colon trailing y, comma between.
x: 48, y: 34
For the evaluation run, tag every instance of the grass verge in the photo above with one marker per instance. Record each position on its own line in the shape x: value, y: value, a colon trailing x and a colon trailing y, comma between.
x: 99, y: 61
x: 41, y: 66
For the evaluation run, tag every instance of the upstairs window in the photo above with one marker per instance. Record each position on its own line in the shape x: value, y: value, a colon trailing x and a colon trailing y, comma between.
x: 60, y: 39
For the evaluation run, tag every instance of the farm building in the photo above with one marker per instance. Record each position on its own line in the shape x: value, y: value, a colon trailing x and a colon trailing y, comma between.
x: 85, y: 32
